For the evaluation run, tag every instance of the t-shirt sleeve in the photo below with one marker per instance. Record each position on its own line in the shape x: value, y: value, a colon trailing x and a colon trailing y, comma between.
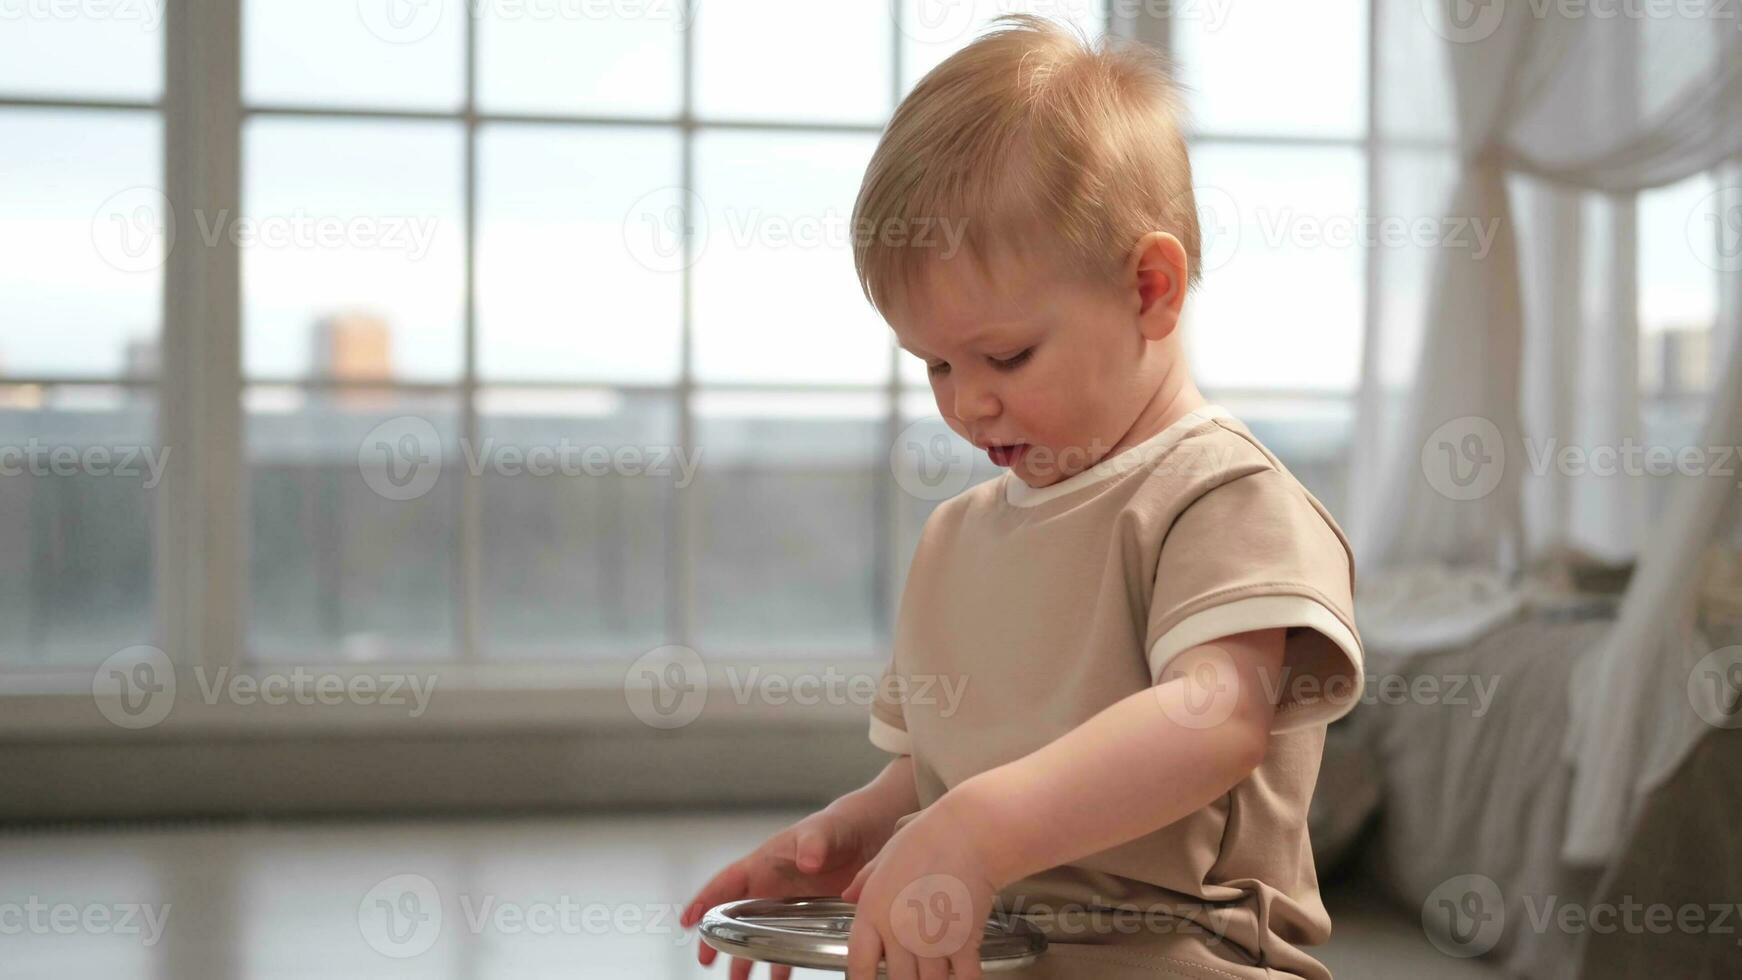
x: 888, y: 726
x: 1256, y: 553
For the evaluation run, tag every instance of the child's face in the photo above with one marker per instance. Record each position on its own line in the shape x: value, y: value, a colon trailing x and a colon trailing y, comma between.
x: 1053, y: 367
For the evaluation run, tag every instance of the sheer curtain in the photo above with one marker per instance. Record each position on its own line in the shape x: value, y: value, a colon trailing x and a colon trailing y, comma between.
x: 1521, y: 133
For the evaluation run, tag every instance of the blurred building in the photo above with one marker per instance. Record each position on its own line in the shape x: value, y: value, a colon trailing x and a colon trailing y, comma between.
x: 353, y: 348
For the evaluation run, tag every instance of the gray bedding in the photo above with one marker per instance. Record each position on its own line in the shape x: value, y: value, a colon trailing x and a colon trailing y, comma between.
x: 1472, y: 796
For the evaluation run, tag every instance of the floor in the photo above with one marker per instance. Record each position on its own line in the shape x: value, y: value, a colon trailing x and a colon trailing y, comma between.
x: 524, y: 897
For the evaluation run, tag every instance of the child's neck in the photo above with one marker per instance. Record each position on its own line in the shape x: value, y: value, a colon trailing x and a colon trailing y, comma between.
x: 1174, y: 398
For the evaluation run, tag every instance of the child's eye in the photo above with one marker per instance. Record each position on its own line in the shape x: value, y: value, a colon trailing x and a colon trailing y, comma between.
x: 1016, y: 361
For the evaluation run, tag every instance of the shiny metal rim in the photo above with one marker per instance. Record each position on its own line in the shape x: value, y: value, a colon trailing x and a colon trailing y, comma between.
x: 812, y: 932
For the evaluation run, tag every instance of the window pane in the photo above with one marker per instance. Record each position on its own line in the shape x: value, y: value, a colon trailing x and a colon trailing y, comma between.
x: 1416, y: 183
x: 355, y: 525
x: 794, y: 60
x: 932, y: 30
x: 352, y: 249
x: 81, y: 50
x: 1232, y: 56
x: 786, y: 518
x: 569, y: 287
x: 77, y: 509
x: 577, y: 489
x: 385, y: 53
x: 81, y: 256
x: 1690, y: 240
x: 1283, y: 239
x: 775, y: 295
x: 1684, y: 242
x: 620, y: 58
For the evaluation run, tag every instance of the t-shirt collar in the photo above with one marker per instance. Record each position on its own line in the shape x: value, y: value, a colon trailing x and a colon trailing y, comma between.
x: 1020, y: 494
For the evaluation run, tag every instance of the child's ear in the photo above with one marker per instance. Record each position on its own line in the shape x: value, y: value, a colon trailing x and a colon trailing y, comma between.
x: 1157, y: 270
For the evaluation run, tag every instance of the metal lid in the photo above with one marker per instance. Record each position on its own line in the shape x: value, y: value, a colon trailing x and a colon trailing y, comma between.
x: 812, y: 932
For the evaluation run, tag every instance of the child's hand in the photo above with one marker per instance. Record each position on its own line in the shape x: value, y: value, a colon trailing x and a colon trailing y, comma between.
x: 923, y: 902
x: 819, y: 855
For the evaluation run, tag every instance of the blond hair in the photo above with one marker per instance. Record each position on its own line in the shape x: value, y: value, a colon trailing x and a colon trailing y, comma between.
x: 1030, y: 139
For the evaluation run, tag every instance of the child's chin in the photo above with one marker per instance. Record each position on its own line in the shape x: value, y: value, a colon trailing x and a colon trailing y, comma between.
x: 1041, y: 468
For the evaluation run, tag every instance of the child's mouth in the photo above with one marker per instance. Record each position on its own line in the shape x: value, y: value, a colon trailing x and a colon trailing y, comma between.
x: 1007, y: 455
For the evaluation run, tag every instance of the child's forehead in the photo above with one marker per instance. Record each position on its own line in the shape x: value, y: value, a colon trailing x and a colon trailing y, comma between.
x: 950, y: 296
x: 932, y: 329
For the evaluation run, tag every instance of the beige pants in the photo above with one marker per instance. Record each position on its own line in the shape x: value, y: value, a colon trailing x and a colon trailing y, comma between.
x: 1179, y: 957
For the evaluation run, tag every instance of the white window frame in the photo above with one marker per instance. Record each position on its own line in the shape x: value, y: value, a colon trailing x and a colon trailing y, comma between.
x: 201, y: 550
x: 201, y: 534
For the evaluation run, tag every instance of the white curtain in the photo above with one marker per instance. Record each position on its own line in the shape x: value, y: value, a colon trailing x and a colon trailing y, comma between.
x: 1526, y: 129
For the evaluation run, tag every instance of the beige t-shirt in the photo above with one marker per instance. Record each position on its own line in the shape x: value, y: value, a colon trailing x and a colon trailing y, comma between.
x: 1042, y: 607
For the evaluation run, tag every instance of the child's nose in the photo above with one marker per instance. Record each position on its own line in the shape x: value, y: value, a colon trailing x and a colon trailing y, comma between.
x: 975, y: 400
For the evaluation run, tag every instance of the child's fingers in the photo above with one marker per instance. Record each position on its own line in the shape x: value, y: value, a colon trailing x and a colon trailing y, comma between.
x: 779, y: 972
x: 852, y: 891
x: 732, y: 883
x: 966, y: 963
x: 864, y: 950
x: 824, y: 843
x: 705, y: 954
x: 810, y: 849
x: 741, y: 968
x: 898, y: 961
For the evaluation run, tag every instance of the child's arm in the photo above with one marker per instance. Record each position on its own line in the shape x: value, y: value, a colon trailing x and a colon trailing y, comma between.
x: 1136, y: 767
x: 887, y: 798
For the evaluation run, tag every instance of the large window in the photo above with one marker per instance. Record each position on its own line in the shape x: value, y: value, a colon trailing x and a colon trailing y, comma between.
x: 581, y: 367
x: 550, y: 345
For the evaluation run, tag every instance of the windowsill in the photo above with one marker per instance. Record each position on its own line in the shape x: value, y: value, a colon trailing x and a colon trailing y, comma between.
x: 261, y: 700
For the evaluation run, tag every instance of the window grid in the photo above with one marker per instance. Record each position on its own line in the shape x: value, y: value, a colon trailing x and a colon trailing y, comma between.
x: 681, y: 507
x: 681, y: 542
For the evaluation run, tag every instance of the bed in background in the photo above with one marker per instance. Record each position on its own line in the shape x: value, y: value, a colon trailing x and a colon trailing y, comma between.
x: 1439, y: 819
